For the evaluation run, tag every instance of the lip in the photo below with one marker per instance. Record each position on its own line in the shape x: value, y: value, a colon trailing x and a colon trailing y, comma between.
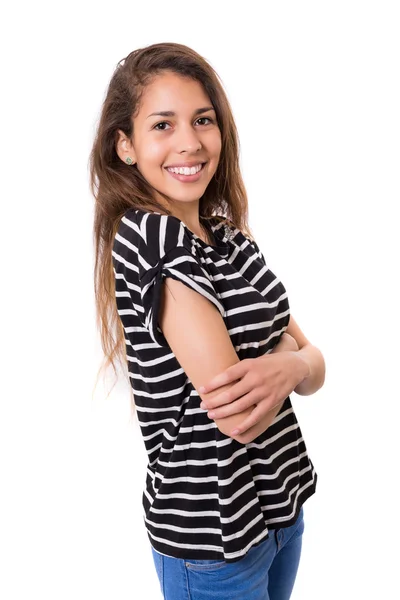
x: 186, y: 164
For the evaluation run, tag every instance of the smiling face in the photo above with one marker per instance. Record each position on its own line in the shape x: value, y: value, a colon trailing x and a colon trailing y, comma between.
x: 188, y: 135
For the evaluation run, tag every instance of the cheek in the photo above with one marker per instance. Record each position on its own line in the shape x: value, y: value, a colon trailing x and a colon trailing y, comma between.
x: 152, y: 154
x: 216, y: 146
x: 216, y: 151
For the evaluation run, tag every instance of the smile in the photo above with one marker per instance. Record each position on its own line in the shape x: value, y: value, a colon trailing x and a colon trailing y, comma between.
x: 186, y: 174
x: 185, y: 170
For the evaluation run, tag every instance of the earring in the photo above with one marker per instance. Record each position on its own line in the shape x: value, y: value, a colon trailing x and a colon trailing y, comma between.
x: 129, y: 160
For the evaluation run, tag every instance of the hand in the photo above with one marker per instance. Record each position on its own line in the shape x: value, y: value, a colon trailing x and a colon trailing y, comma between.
x: 263, y: 383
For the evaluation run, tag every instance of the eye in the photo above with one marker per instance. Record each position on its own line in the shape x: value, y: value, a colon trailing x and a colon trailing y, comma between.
x: 205, y: 118
x: 162, y: 123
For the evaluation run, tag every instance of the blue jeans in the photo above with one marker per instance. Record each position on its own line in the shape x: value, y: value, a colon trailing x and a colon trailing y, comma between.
x: 267, y: 572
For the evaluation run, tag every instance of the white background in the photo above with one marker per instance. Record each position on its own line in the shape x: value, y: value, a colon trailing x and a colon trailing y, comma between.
x: 315, y: 91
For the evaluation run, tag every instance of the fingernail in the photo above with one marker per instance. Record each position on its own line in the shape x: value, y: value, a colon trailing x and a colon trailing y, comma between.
x: 211, y: 415
x: 202, y: 390
x: 235, y: 432
x: 202, y: 405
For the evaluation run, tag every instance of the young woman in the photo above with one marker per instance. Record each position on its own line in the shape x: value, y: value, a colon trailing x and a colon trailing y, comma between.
x: 185, y: 297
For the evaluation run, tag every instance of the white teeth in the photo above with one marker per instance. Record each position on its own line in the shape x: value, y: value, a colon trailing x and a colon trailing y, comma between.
x: 185, y: 170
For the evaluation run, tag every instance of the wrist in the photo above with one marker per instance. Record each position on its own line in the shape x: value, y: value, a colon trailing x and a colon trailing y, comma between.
x: 302, y: 366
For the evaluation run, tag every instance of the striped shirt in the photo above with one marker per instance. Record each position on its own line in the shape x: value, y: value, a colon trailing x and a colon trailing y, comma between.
x: 206, y: 495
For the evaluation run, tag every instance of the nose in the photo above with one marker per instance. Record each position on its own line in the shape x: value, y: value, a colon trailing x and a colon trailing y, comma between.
x: 187, y: 139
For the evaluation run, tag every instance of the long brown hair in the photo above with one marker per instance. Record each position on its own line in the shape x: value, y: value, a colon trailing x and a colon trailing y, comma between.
x: 118, y: 187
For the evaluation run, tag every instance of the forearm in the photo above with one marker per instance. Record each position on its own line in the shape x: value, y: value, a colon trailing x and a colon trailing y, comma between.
x: 260, y: 387
x: 316, y: 364
x: 285, y: 344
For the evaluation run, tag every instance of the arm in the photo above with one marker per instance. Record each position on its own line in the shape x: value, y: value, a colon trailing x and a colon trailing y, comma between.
x: 197, y: 335
x: 312, y: 357
x: 286, y: 344
x: 266, y: 381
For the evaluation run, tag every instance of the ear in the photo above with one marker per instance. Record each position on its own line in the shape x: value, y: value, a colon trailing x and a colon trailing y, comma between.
x: 124, y: 147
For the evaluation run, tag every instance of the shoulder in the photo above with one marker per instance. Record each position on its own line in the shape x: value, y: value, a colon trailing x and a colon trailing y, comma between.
x: 247, y: 244
x: 225, y: 226
x: 126, y: 236
x: 151, y: 234
x: 230, y: 229
x: 241, y: 238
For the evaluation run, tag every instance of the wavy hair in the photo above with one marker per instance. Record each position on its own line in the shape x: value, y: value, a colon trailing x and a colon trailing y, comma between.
x: 118, y: 187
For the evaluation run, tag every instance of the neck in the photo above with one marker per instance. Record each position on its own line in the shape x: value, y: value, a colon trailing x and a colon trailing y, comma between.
x: 189, y: 214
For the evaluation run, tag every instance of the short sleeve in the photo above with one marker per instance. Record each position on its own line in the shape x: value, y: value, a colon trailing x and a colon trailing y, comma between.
x: 164, y: 249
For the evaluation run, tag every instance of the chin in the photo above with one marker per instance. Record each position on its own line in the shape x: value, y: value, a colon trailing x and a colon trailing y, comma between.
x: 185, y: 199
x: 188, y: 197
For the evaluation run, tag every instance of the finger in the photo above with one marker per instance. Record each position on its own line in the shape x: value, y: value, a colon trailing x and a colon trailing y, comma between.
x: 228, y: 376
x: 254, y: 417
x: 237, y: 391
x: 259, y: 413
x: 234, y: 407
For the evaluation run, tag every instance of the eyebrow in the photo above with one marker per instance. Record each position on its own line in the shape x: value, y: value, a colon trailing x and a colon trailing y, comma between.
x: 170, y: 113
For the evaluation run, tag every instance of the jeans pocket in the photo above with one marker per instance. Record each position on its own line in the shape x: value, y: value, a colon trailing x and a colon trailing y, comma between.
x: 204, y: 565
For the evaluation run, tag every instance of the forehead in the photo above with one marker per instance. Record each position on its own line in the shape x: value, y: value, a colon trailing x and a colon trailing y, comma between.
x: 169, y: 91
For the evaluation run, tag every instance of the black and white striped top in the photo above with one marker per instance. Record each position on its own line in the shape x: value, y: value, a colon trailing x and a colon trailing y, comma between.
x: 206, y: 495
